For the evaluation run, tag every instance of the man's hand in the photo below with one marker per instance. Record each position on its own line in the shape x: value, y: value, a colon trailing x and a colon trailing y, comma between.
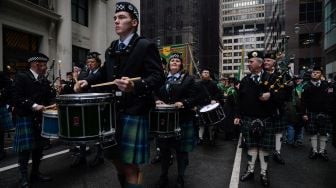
x: 80, y: 85
x: 236, y: 121
x: 265, y: 96
x: 37, y: 107
x: 124, y: 84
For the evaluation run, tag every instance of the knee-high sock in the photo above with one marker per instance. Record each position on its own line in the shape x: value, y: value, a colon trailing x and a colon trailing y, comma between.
x: 323, y: 143
x: 313, y: 141
x: 278, y: 137
x: 36, y: 158
x: 251, y: 157
x: 201, y: 132
x: 263, y: 157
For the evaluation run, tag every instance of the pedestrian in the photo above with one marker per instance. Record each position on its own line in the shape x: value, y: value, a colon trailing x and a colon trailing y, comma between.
x: 131, y: 56
x: 180, y: 91
x: 254, y: 112
x: 32, y: 92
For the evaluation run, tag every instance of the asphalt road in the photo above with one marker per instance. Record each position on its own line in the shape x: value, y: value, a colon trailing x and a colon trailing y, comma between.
x: 210, y: 167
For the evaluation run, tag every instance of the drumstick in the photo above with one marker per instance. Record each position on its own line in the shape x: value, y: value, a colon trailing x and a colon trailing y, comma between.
x: 50, y: 106
x: 111, y: 83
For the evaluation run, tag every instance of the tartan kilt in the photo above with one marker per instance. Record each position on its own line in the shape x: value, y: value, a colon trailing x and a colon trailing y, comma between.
x: 134, y: 139
x: 266, y: 141
x: 280, y: 124
x: 23, y: 139
x: 6, y: 121
x: 187, y: 141
x: 316, y: 126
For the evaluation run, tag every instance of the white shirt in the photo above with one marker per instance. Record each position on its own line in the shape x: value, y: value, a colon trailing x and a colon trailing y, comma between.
x: 127, y: 39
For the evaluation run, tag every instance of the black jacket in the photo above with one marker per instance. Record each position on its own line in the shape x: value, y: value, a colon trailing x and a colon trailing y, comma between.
x: 27, y: 91
x: 182, y: 90
x: 139, y: 59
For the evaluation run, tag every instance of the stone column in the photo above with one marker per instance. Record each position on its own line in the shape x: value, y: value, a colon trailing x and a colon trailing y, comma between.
x: 64, y: 36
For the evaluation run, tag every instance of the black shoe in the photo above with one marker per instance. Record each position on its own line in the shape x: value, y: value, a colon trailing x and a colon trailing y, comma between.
x: 200, y: 141
x: 264, y: 179
x: 179, y: 182
x: 47, y: 146
x: 79, y: 160
x: 247, y: 176
x: 313, y: 155
x: 24, y: 182
x: 323, y: 155
x: 171, y: 160
x: 162, y: 183
x: 156, y: 159
x: 277, y: 158
x: 97, y: 161
x: 38, y: 177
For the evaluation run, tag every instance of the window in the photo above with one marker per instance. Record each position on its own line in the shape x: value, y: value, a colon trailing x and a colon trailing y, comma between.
x: 308, y: 40
x: 79, y: 11
x: 310, y: 11
x: 78, y: 55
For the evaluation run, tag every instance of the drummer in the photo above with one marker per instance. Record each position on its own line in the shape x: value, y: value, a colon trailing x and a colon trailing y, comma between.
x: 209, y: 94
x: 93, y: 63
x: 179, y: 90
x: 130, y: 56
x: 32, y: 92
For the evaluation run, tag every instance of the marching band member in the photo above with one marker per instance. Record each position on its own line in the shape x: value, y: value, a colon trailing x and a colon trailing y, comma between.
x: 316, y: 104
x: 282, y: 93
x: 254, y: 111
x: 130, y: 56
x: 210, y: 94
x: 180, y: 91
x: 31, y: 92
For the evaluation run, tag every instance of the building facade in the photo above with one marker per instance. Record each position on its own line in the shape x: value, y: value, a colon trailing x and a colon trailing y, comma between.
x: 330, y: 37
x: 297, y: 25
x: 170, y: 22
x: 243, y: 23
x: 64, y: 30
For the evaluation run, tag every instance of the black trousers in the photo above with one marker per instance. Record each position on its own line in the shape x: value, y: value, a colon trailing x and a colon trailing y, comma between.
x: 182, y: 158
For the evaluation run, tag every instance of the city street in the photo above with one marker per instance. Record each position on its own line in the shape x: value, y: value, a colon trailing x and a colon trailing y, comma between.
x: 210, y: 166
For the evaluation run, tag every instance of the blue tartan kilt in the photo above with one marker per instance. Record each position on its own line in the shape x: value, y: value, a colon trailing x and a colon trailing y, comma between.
x: 187, y: 140
x: 134, y: 139
x: 6, y: 121
x: 23, y: 139
x: 266, y: 141
x: 319, y: 123
x: 280, y: 124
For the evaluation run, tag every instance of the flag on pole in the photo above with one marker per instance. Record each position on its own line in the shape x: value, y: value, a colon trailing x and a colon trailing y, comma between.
x: 241, y: 69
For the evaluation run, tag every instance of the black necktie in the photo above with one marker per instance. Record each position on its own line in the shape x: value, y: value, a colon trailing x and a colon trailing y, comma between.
x: 39, y: 78
x: 121, y: 46
x: 255, y: 78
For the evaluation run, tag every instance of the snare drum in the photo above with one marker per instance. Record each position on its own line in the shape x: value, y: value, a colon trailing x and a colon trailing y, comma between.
x: 50, y: 124
x: 211, y: 114
x: 164, y: 121
x: 86, y: 116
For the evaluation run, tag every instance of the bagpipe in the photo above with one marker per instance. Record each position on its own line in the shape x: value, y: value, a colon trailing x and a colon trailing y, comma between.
x: 284, y: 76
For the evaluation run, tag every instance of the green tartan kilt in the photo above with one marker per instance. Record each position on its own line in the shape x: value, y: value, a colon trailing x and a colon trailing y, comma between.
x: 6, y: 121
x: 280, y: 124
x: 318, y: 125
x: 134, y: 139
x: 266, y: 141
x: 23, y: 139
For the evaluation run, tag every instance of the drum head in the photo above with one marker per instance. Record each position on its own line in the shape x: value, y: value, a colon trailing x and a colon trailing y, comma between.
x: 165, y: 106
x: 50, y: 112
x: 83, y: 96
x: 209, y: 107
